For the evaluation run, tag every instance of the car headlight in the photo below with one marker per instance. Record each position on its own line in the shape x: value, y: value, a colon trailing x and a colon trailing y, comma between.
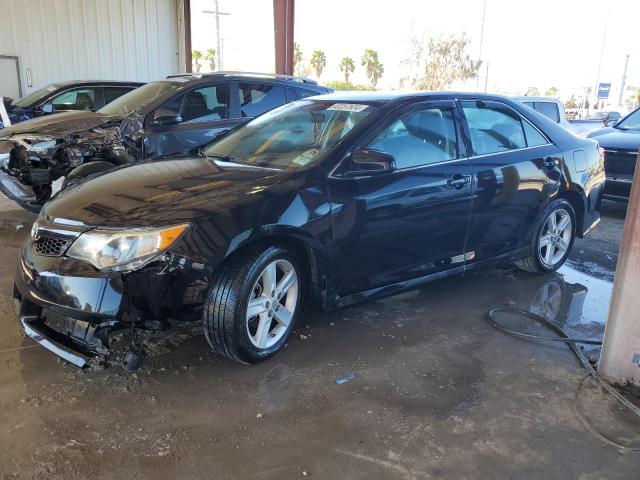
x: 124, y: 250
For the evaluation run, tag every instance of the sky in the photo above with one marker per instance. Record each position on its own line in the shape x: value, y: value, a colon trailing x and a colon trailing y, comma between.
x: 540, y: 43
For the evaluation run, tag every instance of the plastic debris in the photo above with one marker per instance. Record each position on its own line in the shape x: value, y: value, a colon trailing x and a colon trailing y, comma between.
x: 346, y: 379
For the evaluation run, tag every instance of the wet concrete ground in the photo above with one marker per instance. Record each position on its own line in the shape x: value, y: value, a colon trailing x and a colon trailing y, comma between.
x: 436, y: 393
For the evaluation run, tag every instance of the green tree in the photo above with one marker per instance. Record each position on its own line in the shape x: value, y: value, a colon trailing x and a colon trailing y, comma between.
x: 572, y: 102
x: 318, y: 61
x: 210, y: 56
x: 532, y: 92
x: 196, y: 55
x: 439, y: 62
x: 551, y: 92
x: 347, y: 66
x: 374, y: 68
x: 297, y: 58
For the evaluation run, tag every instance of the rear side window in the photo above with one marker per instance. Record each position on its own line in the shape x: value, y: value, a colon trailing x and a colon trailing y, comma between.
x: 111, y: 93
x: 257, y: 98
x: 419, y: 138
x: 303, y: 93
x: 493, y: 128
x: 534, y: 137
x: 206, y: 104
x: 550, y: 110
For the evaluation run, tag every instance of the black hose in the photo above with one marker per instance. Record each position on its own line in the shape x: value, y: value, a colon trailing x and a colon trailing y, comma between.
x: 592, y: 372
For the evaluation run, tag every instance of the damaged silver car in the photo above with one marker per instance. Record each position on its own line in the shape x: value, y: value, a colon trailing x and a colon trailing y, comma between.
x: 177, y: 115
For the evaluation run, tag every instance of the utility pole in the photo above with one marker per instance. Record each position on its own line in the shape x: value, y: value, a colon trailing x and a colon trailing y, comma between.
x: 604, y: 41
x: 217, y: 13
x: 484, y: 13
x: 624, y: 81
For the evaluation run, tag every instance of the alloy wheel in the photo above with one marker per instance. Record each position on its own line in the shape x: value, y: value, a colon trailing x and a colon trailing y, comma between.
x: 555, y: 237
x: 272, y: 304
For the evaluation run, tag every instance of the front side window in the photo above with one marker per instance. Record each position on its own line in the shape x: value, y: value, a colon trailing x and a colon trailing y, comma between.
x: 76, y: 99
x: 493, y: 128
x: 632, y: 122
x: 206, y: 104
x: 292, y: 136
x: 549, y: 110
x: 257, y: 98
x: 419, y: 138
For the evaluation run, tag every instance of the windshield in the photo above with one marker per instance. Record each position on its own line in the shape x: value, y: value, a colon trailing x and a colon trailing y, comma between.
x: 292, y: 136
x: 138, y: 98
x: 35, y: 97
x: 632, y: 122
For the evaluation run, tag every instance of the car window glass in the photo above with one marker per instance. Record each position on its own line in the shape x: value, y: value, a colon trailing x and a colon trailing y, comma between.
x: 419, y: 138
x: 76, y: 99
x: 256, y: 99
x: 550, y: 110
x: 111, y: 93
x: 632, y: 122
x: 493, y: 129
x: 206, y: 104
x: 534, y: 137
x: 303, y: 93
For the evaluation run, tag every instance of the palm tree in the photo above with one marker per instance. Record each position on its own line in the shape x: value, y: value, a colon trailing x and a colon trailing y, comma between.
x: 318, y: 61
x: 347, y: 66
x: 210, y: 56
x: 297, y: 56
x: 196, y: 55
x: 374, y: 68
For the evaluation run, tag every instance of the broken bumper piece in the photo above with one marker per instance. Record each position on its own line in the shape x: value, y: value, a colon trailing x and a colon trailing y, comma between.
x: 21, y: 194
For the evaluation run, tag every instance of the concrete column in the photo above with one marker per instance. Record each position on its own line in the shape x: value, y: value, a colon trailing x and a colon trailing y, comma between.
x: 620, y: 357
x: 283, y: 18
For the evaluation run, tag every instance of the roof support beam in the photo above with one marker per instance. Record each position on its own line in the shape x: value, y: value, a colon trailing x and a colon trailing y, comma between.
x: 283, y: 20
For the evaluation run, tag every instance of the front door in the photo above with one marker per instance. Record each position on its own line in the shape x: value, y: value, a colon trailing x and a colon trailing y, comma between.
x: 204, y: 112
x: 410, y: 222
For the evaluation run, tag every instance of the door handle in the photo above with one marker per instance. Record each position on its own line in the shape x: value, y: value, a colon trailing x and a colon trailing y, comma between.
x: 549, y: 163
x: 458, y: 181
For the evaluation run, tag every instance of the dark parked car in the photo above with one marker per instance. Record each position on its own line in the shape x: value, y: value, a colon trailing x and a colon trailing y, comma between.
x: 337, y: 199
x: 66, y: 96
x: 176, y: 115
x: 620, y: 143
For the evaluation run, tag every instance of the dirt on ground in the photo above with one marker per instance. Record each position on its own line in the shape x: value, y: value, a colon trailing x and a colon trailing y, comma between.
x: 435, y: 392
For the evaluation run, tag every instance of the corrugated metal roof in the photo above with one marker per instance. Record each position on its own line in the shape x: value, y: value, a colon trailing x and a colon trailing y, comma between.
x: 112, y: 39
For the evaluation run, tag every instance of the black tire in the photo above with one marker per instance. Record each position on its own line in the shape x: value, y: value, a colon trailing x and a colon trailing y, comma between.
x: 225, y: 307
x: 534, y: 262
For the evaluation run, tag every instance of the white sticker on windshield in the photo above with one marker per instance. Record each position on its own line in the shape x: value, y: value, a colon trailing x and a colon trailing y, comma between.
x: 306, y: 156
x: 348, y: 107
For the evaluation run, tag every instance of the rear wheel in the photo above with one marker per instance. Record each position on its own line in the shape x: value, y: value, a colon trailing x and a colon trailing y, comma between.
x: 252, y: 304
x: 552, y: 240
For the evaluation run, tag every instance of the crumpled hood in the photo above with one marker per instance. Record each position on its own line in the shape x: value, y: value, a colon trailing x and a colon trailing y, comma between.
x: 161, y: 192
x: 59, y: 124
x: 617, y: 139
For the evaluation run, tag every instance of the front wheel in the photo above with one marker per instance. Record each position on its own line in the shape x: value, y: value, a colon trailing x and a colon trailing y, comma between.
x: 252, y: 304
x: 552, y: 240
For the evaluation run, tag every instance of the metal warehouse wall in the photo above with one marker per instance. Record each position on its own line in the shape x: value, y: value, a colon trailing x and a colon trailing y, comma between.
x: 92, y: 39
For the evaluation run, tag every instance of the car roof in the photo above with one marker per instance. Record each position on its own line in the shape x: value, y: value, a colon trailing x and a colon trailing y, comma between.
x: 398, y: 95
x: 244, y: 76
x: 74, y: 83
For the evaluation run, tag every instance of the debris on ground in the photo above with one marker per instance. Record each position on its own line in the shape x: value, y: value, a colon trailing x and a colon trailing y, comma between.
x: 346, y: 379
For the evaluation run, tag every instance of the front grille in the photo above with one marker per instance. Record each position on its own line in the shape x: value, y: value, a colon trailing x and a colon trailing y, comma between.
x: 619, y: 162
x: 51, y: 247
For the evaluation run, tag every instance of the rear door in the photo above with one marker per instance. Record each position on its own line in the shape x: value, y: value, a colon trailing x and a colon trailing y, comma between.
x: 205, y: 112
x: 516, y: 169
x: 410, y: 222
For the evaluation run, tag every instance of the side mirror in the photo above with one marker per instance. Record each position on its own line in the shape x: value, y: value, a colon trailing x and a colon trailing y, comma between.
x: 165, y: 116
x: 47, y: 108
x: 371, y: 162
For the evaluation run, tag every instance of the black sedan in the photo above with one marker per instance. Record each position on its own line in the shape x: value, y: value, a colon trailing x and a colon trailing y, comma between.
x: 335, y: 199
x: 66, y: 96
x: 175, y: 115
x: 621, y: 143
